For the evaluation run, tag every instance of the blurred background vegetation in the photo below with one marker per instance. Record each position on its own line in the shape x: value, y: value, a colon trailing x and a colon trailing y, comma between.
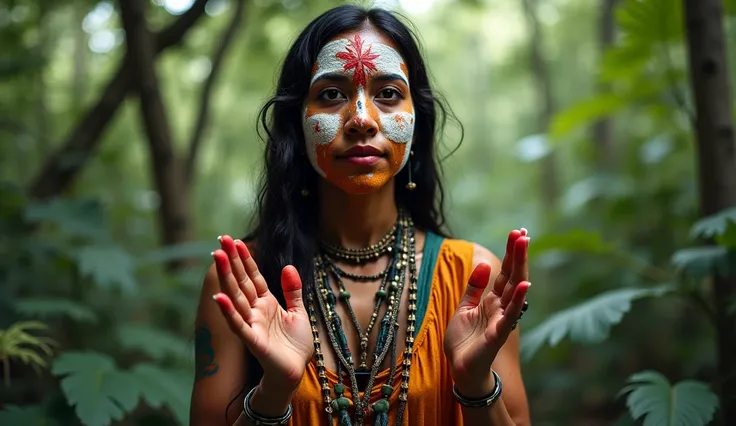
x: 577, y: 123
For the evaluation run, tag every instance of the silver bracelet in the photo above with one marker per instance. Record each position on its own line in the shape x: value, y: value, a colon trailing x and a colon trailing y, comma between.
x: 260, y: 420
x: 486, y: 401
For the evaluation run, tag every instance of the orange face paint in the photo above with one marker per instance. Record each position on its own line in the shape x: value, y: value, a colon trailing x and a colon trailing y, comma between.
x: 359, y: 60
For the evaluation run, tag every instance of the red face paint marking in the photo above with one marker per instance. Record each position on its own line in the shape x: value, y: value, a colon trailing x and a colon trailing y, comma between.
x: 316, y: 128
x: 400, y: 120
x: 357, y: 59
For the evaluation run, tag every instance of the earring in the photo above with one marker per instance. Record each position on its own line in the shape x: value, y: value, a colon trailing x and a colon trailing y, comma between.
x: 410, y: 185
x: 305, y: 192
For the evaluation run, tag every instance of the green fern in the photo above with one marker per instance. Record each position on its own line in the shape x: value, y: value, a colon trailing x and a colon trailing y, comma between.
x: 651, y: 397
x: 590, y: 321
x: 17, y: 343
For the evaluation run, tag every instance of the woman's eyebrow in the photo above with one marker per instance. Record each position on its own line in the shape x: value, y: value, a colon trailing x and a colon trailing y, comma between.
x: 389, y: 77
x: 331, y: 76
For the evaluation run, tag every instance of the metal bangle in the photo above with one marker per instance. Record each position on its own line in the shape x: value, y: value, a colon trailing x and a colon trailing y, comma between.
x: 485, y: 401
x: 260, y: 420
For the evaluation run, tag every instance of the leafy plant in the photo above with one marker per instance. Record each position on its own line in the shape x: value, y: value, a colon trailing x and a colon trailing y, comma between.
x: 17, y: 343
x: 652, y: 398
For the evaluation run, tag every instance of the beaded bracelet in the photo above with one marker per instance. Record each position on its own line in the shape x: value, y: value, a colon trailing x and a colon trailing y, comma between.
x: 260, y: 420
x: 485, y: 401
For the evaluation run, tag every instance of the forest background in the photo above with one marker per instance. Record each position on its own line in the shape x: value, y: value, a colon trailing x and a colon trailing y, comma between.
x: 128, y: 144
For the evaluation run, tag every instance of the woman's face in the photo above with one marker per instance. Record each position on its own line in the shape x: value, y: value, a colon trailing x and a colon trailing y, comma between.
x: 358, y: 116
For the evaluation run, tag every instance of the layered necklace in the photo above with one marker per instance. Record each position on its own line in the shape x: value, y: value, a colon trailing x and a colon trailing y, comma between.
x: 399, y: 245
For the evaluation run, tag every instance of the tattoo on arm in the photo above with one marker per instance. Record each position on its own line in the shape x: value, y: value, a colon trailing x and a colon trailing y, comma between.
x: 205, y: 364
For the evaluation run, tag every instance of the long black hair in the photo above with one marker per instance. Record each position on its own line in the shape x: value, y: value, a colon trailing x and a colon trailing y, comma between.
x: 286, y: 220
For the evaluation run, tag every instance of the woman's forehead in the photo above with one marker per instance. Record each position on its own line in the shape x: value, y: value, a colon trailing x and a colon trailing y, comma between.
x: 360, y: 54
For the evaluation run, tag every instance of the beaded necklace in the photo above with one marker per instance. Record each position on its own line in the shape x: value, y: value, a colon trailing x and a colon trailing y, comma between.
x: 399, y: 243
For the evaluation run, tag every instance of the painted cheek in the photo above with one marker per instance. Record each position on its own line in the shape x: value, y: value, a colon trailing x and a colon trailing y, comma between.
x: 319, y: 132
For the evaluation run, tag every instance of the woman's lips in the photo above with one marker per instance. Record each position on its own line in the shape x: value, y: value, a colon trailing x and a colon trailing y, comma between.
x: 363, y: 161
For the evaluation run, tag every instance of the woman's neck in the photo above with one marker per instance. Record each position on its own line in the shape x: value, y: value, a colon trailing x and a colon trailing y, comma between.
x: 355, y: 221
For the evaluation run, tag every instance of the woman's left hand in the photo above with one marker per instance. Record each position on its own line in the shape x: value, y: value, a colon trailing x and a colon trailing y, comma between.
x: 482, y: 323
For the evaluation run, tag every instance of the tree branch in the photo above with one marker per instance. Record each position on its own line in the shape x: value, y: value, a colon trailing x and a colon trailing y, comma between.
x: 61, y: 167
x: 166, y: 169
x: 206, y: 95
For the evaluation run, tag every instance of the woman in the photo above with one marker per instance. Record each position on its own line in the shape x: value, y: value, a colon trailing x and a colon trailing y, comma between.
x: 379, y: 318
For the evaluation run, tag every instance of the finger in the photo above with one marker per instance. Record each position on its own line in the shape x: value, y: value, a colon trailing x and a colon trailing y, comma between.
x: 476, y: 285
x: 251, y: 268
x: 228, y: 246
x: 507, y: 263
x: 291, y: 283
x: 234, y: 320
x: 520, y: 269
x: 512, y: 313
x: 228, y: 284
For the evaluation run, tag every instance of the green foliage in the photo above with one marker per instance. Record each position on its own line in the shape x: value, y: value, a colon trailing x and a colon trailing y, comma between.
x: 51, y: 308
x: 17, y: 343
x: 588, y: 322
x: 155, y: 343
x: 653, y: 398
x: 108, y: 265
x: 165, y: 388
x: 700, y: 262
x: 92, y: 384
x: 721, y: 226
x: 575, y: 241
x: 27, y: 415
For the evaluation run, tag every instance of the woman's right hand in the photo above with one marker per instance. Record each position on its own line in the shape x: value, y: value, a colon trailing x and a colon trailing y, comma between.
x: 280, y: 339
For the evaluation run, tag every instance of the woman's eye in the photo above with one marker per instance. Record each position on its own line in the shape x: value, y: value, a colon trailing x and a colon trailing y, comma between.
x: 392, y: 94
x: 331, y: 95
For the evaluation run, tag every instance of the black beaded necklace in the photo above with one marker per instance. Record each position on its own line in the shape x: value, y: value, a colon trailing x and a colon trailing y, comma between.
x: 399, y: 244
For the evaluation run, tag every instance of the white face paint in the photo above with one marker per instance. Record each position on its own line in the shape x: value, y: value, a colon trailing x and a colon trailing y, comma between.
x: 358, y: 60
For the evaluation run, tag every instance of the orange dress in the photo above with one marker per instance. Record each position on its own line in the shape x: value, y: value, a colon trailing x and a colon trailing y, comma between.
x: 444, y: 271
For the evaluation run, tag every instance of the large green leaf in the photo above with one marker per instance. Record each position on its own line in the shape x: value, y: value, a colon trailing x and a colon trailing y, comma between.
x: 47, y: 308
x: 76, y: 217
x: 651, y: 397
x: 700, y: 262
x: 588, y: 322
x: 585, y: 112
x: 165, y: 388
x: 27, y: 415
x: 721, y: 226
x: 155, y: 343
x: 108, y: 265
x: 650, y: 21
x: 92, y: 384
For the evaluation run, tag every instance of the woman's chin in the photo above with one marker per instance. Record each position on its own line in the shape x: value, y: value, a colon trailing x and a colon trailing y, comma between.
x: 362, y: 184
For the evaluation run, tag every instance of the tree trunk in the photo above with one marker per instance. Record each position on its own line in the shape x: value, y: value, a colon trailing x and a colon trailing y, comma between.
x: 540, y: 71
x: 61, y: 167
x: 603, y: 129
x: 716, y: 150
x: 168, y: 172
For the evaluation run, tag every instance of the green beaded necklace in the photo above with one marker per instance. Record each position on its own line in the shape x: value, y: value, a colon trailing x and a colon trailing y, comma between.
x: 401, y: 247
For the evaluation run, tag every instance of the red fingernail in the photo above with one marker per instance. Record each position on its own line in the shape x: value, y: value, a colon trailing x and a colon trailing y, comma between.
x: 223, y: 302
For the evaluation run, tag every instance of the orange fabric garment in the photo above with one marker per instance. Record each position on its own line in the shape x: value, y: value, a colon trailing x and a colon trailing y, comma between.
x: 430, y: 401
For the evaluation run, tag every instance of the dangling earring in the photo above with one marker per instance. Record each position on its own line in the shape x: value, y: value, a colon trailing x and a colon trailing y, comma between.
x: 410, y: 185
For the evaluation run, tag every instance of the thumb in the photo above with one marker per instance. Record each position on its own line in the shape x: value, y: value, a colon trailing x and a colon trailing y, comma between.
x: 476, y: 285
x: 291, y: 284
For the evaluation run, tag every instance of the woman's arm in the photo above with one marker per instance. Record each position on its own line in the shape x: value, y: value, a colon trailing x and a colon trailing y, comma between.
x: 221, y: 366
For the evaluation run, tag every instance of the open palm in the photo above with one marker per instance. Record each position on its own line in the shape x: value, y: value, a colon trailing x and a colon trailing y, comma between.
x: 482, y: 323
x: 280, y: 339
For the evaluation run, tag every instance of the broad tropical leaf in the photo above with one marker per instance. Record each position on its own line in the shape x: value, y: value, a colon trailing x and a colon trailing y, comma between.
x: 588, y: 322
x: 49, y: 308
x: 721, y: 226
x: 155, y: 343
x: 80, y: 217
x: 92, y: 384
x: 108, y: 265
x: 700, y: 262
x: 165, y: 387
x: 650, y: 22
x: 653, y: 398
x: 27, y: 415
